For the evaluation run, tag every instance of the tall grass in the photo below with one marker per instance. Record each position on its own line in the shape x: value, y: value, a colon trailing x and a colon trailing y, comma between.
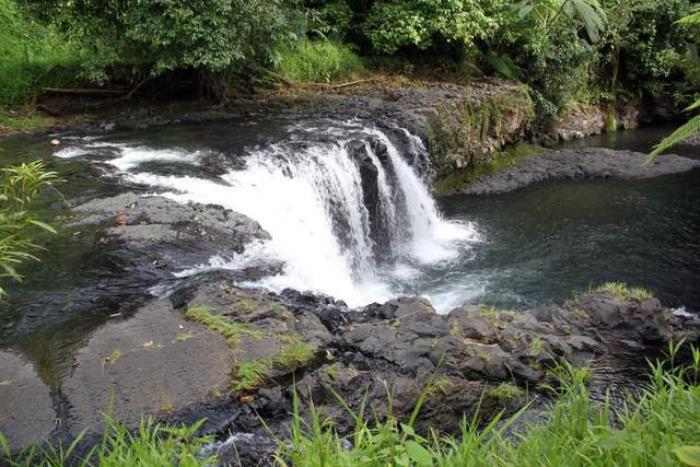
x: 318, y: 61
x: 152, y: 444
x: 659, y: 428
x: 32, y: 55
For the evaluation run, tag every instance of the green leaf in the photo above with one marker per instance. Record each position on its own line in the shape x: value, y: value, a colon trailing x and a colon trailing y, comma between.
x: 407, y: 429
x: 688, y: 455
x: 418, y: 454
x: 43, y: 225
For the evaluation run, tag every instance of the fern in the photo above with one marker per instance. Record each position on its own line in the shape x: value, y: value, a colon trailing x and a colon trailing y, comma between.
x: 692, y: 19
x: 693, y: 125
x: 686, y: 131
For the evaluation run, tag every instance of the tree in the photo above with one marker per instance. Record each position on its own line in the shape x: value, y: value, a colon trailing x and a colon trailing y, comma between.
x: 421, y: 24
x: 209, y: 37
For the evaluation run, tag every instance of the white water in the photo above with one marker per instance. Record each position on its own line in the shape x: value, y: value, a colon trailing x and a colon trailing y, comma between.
x: 310, y: 199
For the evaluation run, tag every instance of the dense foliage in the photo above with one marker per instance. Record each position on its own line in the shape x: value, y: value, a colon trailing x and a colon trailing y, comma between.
x: 424, y: 23
x: 32, y: 55
x: 567, y: 51
x: 693, y: 125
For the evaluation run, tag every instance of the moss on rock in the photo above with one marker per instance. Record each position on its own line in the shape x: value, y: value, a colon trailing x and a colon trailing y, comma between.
x: 473, y: 130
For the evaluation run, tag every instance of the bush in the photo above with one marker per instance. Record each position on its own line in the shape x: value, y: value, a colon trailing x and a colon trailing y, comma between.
x: 33, y: 56
x: 333, y: 20
x: 211, y: 38
x: 315, y: 61
x: 423, y: 24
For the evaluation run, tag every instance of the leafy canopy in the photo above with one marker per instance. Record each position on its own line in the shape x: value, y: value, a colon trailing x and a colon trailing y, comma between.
x: 425, y: 23
x: 164, y: 35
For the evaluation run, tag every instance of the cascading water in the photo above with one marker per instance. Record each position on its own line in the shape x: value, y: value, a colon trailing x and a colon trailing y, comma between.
x: 348, y: 215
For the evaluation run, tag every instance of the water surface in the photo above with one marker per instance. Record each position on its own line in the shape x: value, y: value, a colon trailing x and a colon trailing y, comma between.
x: 527, y: 248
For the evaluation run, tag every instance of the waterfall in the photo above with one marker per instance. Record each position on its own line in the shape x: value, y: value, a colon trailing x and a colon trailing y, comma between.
x: 348, y: 215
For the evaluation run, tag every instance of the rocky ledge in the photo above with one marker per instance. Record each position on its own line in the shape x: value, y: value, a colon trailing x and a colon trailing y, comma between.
x: 236, y: 357
x: 153, y: 236
x: 578, y: 164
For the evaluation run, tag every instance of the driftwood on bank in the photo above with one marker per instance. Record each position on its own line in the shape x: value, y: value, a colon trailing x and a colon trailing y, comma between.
x: 344, y: 85
x: 83, y: 91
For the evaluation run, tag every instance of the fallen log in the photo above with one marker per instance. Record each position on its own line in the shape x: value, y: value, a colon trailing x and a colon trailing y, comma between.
x: 83, y: 91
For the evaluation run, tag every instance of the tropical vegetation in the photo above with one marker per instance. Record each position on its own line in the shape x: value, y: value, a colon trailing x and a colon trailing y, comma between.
x: 567, y: 51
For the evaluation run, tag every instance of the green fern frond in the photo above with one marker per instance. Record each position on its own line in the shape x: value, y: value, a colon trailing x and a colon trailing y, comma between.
x: 690, y: 128
x: 692, y: 19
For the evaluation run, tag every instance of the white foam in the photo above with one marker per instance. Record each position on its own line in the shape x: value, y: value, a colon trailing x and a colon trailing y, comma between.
x: 311, y: 202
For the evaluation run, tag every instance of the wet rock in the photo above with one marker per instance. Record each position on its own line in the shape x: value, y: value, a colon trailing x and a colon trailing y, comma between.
x: 386, y: 355
x: 26, y: 409
x: 152, y: 236
x: 244, y: 450
x: 578, y: 164
x: 153, y: 363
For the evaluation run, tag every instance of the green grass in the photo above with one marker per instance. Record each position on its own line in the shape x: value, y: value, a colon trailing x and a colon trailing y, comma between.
x: 576, y: 431
x: 295, y: 353
x: 23, y: 120
x: 33, y: 56
x: 318, y: 61
x: 248, y: 376
x: 657, y: 428
x: 153, y: 444
x: 505, y: 392
x: 622, y: 291
x: 465, y: 177
x: 231, y: 330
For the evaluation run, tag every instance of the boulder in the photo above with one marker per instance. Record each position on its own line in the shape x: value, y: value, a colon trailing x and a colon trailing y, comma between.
x: 153, y: 236
x: 27, y: 413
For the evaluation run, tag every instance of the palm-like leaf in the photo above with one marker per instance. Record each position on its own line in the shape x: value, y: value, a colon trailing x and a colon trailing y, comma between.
x: 684, y: 132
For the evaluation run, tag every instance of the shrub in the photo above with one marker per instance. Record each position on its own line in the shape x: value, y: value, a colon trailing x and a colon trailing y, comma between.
x: 33, y: 56
x: 20, y: 186
x: 318, y: 61
x: 422, y: 24
x: 333, y: 20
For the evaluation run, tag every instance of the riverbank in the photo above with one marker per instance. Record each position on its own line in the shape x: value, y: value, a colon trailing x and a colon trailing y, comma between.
x: 209, y: 347
x: 471, y: 129
x: 250, y: 363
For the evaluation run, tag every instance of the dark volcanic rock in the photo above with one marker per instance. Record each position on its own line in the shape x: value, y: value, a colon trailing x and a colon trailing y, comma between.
x: 152, y: 236
x: 26, y: 409
x: 473, y: 359
x: 578, y: 164
x: 153, y: 363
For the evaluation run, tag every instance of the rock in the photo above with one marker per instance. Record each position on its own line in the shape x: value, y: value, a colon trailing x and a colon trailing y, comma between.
x: 244, y: 450
x: 153, y: 236
x: 26, y: 409
x: 154, y: 363
x: 578, y: 164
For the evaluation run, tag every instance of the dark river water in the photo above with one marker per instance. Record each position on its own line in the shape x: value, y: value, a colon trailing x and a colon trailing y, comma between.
x: 532, y: 247
x: 547, y: 241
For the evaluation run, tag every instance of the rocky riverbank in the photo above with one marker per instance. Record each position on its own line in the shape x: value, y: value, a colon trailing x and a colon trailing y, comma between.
x: 236, y: 356
x: 577, y: 164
